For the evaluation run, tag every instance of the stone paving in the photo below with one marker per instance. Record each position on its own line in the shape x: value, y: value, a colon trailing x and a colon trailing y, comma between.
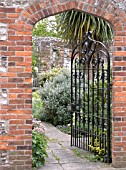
x: 61, y: 156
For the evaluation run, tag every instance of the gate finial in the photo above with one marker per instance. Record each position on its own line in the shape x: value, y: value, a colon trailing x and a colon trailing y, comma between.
x: 88, y: 34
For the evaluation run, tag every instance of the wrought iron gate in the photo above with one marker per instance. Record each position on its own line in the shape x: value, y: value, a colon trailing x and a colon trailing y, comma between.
x: 91, y: 97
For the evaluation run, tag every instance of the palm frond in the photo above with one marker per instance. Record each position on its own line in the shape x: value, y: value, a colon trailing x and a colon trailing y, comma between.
x: 73, y: 25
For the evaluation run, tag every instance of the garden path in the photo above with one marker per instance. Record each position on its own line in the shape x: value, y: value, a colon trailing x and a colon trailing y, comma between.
x: 62, y: 157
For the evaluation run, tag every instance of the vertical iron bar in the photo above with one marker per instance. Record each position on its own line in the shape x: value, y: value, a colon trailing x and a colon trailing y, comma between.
x: 108, y: 112
x: 88, y: 104
x: 72, y: 101
x: 93, y: 103
x: 84, y: 122
x: 103, y: 116
x: 97, y: 94
x: 75, y: 100
x: 79, y: 129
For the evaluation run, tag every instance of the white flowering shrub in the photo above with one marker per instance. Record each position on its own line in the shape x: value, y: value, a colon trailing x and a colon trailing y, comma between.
x: 56, y: 97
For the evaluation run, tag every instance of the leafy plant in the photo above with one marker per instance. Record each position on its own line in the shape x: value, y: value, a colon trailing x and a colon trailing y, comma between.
x: 34, y: 64
x: 49, y: 75
x: 46, y: 28
x: 74, y: 24
x: 39, y: 144
x: 55, y: 95
x: 65, y: 128
x: 97, y: 150
x: 36, y: 104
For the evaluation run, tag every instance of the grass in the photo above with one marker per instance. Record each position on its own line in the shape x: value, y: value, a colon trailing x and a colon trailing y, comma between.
x: 56, y: 157
x: 89, y: 156
x: 65, y: 128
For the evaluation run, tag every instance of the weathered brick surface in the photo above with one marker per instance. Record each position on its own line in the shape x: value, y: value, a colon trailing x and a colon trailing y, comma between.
x: 16, y: 21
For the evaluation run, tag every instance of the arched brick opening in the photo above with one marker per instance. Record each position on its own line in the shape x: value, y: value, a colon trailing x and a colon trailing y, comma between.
x: 17, y: 112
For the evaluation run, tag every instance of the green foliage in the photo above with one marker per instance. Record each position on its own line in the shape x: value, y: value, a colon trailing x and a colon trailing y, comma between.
x: 55, y: 95
x: 34, y: 64
x: 65, y: 128
x: 36, y: 104
x: 97, y: 150
x: 39, y: 145
x: 46, y: 28
x: 74, y: 24
x: 49, y: 75
x: 35, y: 61
x: 39, y: 153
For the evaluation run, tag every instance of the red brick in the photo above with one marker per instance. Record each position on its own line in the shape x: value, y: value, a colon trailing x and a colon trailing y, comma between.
x: 16, y: 27
x: 37, y: 6
x: 16, y: 102
x: 26, y: 14
x: 16, y: 122
x: 15, y: 58
x: 32, y: 7
x: 25, y: 127
x: 12, y: 96
x: 23, y: 53
x: 13, y: 15
x: 2, y: 147
x: 7, y: 53
x: 18, y: 10
x: 16, y: 38
x: 23, y: 64
x: 3, y: 20
x: 23, y: 117
x: 15, y: 69
x: 17, y: 48
x: 9, y: 10
x: 23, y: 33
x: 16, y: 90
x: 3, y: 15
x: 8, y: 117
x: 16, y: 132
x: 8, y: 85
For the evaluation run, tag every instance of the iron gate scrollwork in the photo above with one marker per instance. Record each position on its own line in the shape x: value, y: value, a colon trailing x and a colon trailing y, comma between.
x: 91, y: 97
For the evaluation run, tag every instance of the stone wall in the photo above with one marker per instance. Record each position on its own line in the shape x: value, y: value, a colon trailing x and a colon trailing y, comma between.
x: 52, y: 52
x: 3, y: 31
x: 17, y: 18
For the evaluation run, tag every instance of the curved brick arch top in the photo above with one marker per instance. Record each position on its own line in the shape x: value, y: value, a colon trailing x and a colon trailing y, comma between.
x: 107, y: 10
x: 15, y: 81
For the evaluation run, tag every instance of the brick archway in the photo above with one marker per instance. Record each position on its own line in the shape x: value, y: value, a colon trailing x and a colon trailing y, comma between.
x: 16, y: 46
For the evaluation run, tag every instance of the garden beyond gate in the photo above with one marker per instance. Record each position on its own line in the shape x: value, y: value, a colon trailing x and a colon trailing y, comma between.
x: 91, y: 98
x: 17, y: 19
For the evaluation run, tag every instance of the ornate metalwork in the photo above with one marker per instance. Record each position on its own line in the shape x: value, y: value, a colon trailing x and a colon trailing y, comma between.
x: 91, y: 97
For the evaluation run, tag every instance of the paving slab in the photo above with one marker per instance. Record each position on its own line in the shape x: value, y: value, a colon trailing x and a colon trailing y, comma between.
x: 62, y: 157
x: 51, y: 167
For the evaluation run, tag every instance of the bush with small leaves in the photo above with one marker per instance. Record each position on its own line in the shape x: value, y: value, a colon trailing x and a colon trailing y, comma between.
x: 56, y: 96
x: 49, y: 75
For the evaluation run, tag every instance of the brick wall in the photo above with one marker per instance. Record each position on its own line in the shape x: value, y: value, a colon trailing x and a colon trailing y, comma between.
x: 16, y: 22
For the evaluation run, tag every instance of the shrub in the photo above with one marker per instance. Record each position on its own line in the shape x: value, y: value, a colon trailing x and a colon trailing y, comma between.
x: 39, y: 144
x: 56, y: 97
x: 36, y: 105
x: 49, y: 75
